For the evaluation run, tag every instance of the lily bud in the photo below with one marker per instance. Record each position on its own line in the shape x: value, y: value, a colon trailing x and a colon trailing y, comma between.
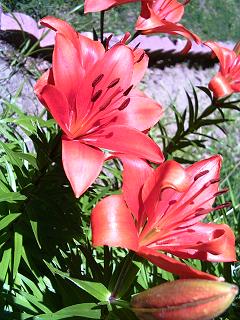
x: 187, y: 299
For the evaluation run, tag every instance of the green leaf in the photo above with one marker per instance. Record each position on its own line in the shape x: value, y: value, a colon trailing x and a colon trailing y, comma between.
x: 33, y: 301
x: 95, y: 289
x: 11, y: 197
x: 6, y: 259
x: 8, y: 220
x: 78, y: 310
x: 12, y: 156
x: 190, y: 110
x: 32, y: 213
x: 18, y: 240
x: 207, y: 91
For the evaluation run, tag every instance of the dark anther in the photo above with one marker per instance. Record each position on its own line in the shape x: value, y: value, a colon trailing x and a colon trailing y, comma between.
x: 113, y: 83
x: 212, y: 181
x: 124, y: 104
x: 135, y: 48
x: 200, y: 174
x: 97, y: 80
x: 220, y: 192
x: 140, y: 58
x: 224, y: 205
x: 125, y: 93
x: 96, y: 95
x: 109, y: 135
x: 97, y: 123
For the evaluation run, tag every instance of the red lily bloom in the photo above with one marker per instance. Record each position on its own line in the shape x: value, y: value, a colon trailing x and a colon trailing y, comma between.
x: 157, y: 16
x: 227, y: 80
x: 160, y: 211
x: 100, y: 5
x: 162, y: 16
x: 89, y: 93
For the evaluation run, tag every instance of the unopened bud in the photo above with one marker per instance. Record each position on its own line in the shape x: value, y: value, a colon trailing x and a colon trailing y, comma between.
x: 188, y: 299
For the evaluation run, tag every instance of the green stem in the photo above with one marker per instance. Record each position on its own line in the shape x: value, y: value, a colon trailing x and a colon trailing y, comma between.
x: 122, y: 276
x: 107, y: 264
x: 102, y: 26
x: 136, y: 34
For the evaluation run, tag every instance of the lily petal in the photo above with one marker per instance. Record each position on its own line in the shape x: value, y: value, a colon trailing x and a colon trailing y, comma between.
x: 57, y: 104
x: 46, y: 78
x: 67, y: 69
x: 97, y: 5
x: 62, y: 27
x: 171, y: 265
x: 199, y: 195
x: 82, y: 164
x: 90, y: 52
x: 140, y: 65
x: 113, y: 225
x: 224, y: 55
x: 142, y: 112
x: 135, y: 173
x: 126, y: 140
x: 210, y: 242
x: 169, y: 174
x: 110, y: 71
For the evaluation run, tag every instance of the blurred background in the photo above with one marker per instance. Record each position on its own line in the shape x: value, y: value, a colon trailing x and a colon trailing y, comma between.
x: 211, y: 19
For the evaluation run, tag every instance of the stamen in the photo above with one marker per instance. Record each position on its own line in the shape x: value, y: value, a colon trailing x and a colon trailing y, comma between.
x: 110, y: 100
x: 172, y: 202
x: 113, y: 83
x: 222, y: 206
x: 200, y: 174
x: 108, y: 42
x: 220, y: 192
x: 97, y: 80
x: 198, y: 212
x: 135, y: 48
x: 96, y: 95
x: 140, y: 58
x: 125, y: 93
x: 124, y: 104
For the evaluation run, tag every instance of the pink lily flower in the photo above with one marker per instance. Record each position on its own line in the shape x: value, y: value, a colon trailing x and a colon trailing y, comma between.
x: 227, y: 80
x: 159, y: 215
x: 90, y: 93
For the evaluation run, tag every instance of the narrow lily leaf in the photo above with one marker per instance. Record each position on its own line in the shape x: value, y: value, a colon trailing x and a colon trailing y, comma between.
x: 34, y: 301
x: 31, y: 210
x: 18, y: 241
x: 30, y: 284
x: 95, y: 289
x: 78, y: 310
x: 4, y: 222
x: 191, y: 110
x: 6, y: 259
x: 12, y: 156
x: 29, y: 158
x: 11, y: 197
x: 11, y: 176
x: 30, y: 265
